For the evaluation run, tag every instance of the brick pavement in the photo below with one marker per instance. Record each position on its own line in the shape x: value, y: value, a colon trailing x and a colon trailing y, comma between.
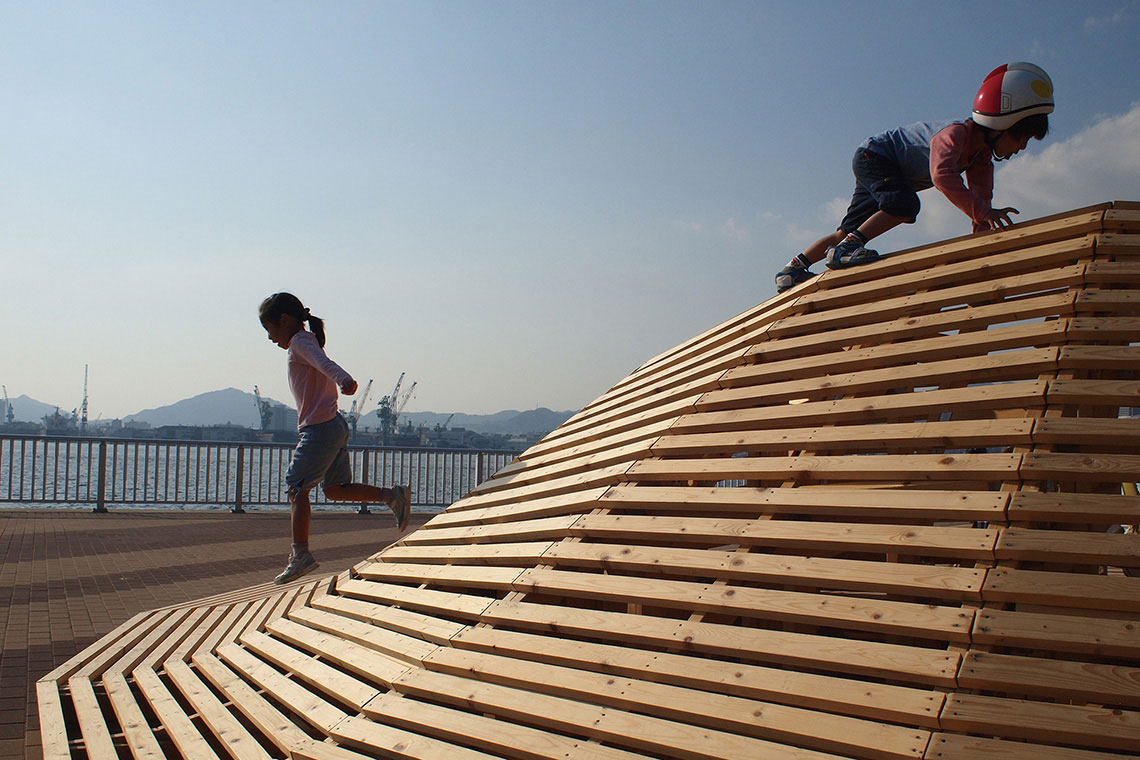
x: 69, y: 577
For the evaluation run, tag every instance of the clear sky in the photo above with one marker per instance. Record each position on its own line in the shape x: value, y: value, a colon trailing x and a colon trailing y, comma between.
x: 516, y: 203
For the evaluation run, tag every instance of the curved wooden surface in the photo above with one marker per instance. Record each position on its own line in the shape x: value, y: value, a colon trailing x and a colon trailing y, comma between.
x: 873, y: 517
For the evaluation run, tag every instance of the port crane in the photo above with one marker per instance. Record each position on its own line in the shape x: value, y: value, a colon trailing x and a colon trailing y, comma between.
x: 392, y: 404
x: 264, y: 408
x: 358, y: 406
x: 9, y: 415
x: 83, y: 407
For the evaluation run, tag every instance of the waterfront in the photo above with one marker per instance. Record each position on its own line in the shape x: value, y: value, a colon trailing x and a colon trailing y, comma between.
x: 95, y: 472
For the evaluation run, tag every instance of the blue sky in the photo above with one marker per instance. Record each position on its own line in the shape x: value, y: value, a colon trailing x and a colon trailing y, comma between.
x: 516, y: 203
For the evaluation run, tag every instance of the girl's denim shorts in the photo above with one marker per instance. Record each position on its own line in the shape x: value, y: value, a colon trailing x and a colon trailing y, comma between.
x: 321, y: 457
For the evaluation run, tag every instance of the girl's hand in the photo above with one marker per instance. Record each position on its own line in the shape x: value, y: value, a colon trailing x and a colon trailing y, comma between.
x: 348, y: 388
x: 999, y: 217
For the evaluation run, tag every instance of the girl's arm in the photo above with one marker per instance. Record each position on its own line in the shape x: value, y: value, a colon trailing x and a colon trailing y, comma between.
x: 309, y: 351
x: 947, y: 151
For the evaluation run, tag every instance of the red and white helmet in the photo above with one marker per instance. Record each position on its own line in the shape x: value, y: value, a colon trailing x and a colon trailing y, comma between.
x: 1012, y: 92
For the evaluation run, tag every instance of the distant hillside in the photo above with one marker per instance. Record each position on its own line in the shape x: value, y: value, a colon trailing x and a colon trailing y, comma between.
x: 229, y: 406
x: 29, y: 410
x: 234, y: 407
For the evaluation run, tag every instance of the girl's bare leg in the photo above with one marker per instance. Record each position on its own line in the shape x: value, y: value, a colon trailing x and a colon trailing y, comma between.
x: 301, y: 516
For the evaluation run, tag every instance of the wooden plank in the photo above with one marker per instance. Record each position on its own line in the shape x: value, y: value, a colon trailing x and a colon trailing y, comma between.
x: 373, y: 738
x: 1107, y: 302
x: 893, y: 662
x: 542, y: 529
x: 909, y: 303
x: 875, y: 616
x: 625, y: 729
x: 173, y: 718
x: 793, y: 534
x: 903, y: 330
x: 407, y: 622
x: 1095, y: 509
x: 395, y: 647
x: 1100, y: 592
x: 371, y: 665
x: 425, y: 600
x: 1068, y: 546
x: 568, y: 437
x: 1082, y: 468
x: 630, y: 439
x: 957, y: 747
x: 227, y: 729
x: 500, y: 738
x: 936, y: 348
x: 875, y: 504
x: 898, y: 704
x: 890, y: 468
x: 136, y: 733
x: 1087, y: 727
x: 275, y: 726
x: 524, y: 553
x: 584, y: 481
x: 1090, y: 433
x: 1117, y: 243
x: 999, y: 367
x: 948, y: 275
x: 462, y: 576
x: 1017, y: 675
x: 91, y: 662
x: 701, y: 709
x: 299, y: 701
x: 53, y: 728
x: 554, y: 506
x: 1099, y: 329
x: 160, y: 631
x: 97, y: 741
x: 887, y: 437
x: 1088, y: 635
x: 1024, y: 395
x: 306, y: 668
x: 893, y: 578
x: 528, y: 473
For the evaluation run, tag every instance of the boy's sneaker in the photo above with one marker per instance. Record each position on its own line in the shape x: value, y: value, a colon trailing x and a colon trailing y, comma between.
x: 401, y: 506
x: 299, y: 564
x: 849, y: 253
x: 790, y: 276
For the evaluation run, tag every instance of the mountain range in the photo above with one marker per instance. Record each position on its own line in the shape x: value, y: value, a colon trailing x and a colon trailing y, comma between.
x: 235, y: 407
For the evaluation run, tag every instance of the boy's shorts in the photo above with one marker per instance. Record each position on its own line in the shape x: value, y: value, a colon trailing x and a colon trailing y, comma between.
x: 879, y: 186
x: 321, y: 457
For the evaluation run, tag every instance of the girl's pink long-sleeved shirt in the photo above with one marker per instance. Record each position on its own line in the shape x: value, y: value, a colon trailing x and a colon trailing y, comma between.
x: 314, y: 379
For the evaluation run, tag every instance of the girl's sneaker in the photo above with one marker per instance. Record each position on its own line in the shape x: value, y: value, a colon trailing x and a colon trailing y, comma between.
x: 791, y: 276
x: 849, y: 253
x: 299, y: 564
x: 401, y: 506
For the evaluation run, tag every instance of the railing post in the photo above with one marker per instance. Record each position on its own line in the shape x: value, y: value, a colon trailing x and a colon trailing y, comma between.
x: 101, y: 492
x: 479, y: 468
x: 364, y: 479
x: 240, y: 481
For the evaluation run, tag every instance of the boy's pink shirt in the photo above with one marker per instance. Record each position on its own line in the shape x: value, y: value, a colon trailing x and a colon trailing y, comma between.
x: 314, y: 379
x: 947, y: 163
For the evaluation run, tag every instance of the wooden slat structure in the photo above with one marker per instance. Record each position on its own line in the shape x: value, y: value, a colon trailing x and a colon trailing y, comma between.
x: 878, y: 516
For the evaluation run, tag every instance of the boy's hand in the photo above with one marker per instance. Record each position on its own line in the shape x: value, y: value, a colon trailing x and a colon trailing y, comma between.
x: 349, y: 388
x: 999, y: 217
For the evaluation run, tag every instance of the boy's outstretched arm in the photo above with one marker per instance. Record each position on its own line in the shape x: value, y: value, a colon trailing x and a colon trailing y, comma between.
x: 999, y: 217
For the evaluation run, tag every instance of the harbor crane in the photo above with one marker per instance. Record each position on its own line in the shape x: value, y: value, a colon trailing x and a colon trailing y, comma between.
x: 391, y: 406
x: 358, y: 406
x: 9, y: 415
x: 83, y: 407
x: 264, y: 408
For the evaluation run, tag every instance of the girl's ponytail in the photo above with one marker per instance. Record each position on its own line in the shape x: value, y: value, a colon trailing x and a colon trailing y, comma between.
x: 286, y: 303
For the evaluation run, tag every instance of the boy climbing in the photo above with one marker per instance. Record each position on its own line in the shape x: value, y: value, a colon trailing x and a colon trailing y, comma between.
x: 890, y: 168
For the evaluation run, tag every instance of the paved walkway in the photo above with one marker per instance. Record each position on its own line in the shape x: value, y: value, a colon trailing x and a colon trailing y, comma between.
x: 70, y: 577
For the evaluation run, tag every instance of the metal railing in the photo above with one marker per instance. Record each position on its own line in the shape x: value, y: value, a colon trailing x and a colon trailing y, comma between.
x: 107, y: 471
